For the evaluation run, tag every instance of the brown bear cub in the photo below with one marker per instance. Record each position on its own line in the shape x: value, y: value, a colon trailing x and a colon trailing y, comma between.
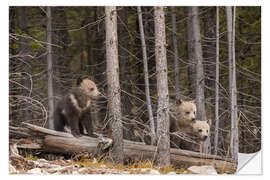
x: 198, y: 132
x: 73, y: 109
x: 183, y: 114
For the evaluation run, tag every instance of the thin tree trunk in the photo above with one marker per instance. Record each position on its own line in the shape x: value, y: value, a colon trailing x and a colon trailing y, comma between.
x: 199, y: 66
x: 217, y: 84
x: 113, y: 84
x: 199, y: 71
x: 146, y: 80
x: 50, y: 68
x: 163, y: 139
x: 191, y: 58
x: 232, y: 81
x: 175, y: 49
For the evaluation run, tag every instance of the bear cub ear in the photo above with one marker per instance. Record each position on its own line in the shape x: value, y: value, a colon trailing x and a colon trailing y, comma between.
x: 90, y: 78
x: 209, y: 122
x: 79, y: 80
x: 179, y: 101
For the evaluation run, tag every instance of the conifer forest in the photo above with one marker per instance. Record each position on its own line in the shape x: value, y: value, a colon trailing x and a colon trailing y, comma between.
x: 144, y: 61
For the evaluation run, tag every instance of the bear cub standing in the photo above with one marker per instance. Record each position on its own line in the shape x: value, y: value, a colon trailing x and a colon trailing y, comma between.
x: 73, y: 109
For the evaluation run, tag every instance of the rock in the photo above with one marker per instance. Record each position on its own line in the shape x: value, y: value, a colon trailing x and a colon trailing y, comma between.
x: 171, y: 173
x: 202, y: 170
x: 83, y: 170
x: 149, y: 171
x: 35, y: 171
x: 11, y: 169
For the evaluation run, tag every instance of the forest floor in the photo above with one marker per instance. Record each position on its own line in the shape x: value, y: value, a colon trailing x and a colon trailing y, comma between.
x: 84, y: 165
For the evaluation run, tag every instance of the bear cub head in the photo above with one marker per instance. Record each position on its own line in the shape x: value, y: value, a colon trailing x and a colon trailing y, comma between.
x: 201, y: 129
x: 186, y: 112
x: 88, y: 87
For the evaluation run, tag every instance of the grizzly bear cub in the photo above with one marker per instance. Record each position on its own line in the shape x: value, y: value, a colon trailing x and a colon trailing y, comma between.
x: 73, y: 109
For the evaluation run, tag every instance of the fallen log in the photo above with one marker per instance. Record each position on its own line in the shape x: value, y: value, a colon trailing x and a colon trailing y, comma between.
x: 53, y: 141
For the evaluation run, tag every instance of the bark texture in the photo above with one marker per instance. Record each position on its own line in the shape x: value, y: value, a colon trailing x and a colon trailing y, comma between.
x: 50, y: 67
x: 232, y: 81
x: 113, y: 84
x: 175, y: 50
x: 200, y: 100
x: 146, y: 80
x: 163, y: 138
x: 217, y: 84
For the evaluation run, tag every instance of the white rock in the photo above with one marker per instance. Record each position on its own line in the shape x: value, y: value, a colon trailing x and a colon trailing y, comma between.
x: 35, y: 171
x: 172, y: 173
x: 202, y: 170
x: 153, y: 171
x: 12, y: 169
x: 149, y: 171
x: 82, y: 170
x: 75, y: 172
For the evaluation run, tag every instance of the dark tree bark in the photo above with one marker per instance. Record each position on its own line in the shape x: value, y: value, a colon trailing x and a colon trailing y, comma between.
x: 113, y: 84
x: 190, y: 50
x: 175, y: 50
x: 146, y: 80
x: 50, y: 68
x: 200, y: 100
x: 232, y: 81
x: 217, y: 84
x: 163, y: 138
x: 209, y: 50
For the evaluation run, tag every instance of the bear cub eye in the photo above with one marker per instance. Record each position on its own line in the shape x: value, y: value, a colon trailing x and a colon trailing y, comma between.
x: 187, y: 113
x: 91, y: 89
x: 200, y: 130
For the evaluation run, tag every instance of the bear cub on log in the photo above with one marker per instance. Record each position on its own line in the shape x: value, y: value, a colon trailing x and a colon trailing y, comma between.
x: 73, y: 109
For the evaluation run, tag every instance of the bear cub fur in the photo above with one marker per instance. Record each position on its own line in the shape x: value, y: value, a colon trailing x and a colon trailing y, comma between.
x: 198, y: 131
x: 73, y: 109
x: 184, y: 112
x: 183, y: 120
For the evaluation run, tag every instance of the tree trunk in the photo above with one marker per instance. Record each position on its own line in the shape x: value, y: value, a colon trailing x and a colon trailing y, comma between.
x: 125, y: 71
x: 191, y: 58
x: 200, y: 101
x: 113, y: 84
x: 232, y: 81
x: 175, y: 50
x: 217, y: 84
x: 50, y: 68
x: 146, y: 80
x: 163, y: 138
